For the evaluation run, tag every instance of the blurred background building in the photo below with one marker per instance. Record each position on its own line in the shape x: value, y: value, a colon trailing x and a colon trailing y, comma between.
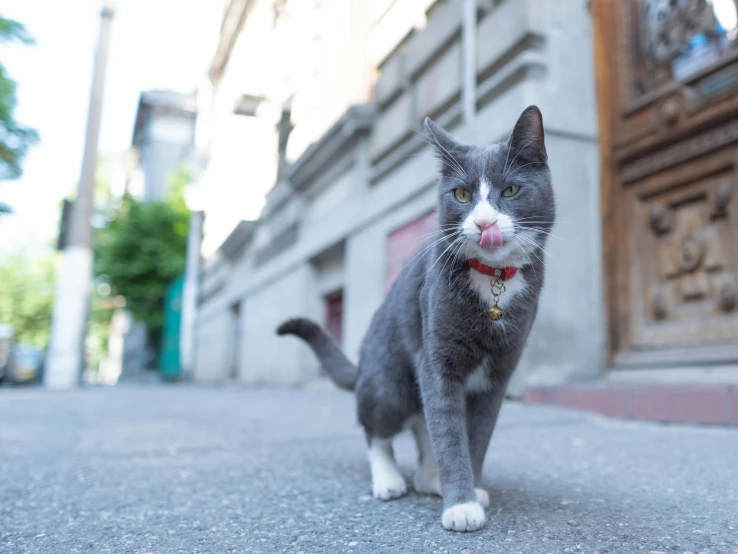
x: 162, y: 144
x: 163, y: 139
x: 323, y: 229
x: 358, y: 187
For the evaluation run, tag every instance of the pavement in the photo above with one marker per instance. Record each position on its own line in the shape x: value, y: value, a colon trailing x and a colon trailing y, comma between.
x: 182, y: 469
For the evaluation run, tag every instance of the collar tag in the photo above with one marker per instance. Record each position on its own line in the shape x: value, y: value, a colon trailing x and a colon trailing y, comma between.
x: 505, y: 273
x: 497, y: 284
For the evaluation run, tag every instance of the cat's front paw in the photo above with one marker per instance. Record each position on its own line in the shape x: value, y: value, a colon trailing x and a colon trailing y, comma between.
x: 388, y: 486
x: 464, y: 517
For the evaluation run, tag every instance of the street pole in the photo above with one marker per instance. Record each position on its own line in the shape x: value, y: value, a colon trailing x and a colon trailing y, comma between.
x: 190, y: 295
x: 66, y: 349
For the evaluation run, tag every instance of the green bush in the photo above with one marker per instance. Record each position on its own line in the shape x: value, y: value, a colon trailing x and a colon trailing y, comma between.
x: 140, y: 252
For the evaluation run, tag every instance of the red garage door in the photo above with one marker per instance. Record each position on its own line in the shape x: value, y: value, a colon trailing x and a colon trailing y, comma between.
x: 403, y: 243
x: 334, y: 314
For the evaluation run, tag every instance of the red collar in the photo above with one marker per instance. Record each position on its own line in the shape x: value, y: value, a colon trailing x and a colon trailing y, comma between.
x: 507, y: 272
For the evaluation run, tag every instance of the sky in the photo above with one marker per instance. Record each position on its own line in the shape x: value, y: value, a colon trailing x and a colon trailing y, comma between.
x: 155, y: 44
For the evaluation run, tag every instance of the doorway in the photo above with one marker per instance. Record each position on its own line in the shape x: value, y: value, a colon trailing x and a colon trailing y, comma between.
x: 667, y: 80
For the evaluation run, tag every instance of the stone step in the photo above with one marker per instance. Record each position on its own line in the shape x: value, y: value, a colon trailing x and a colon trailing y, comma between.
x: 709, y: 404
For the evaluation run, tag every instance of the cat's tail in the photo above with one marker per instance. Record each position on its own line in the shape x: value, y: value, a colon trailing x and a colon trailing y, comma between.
x: 335, y: 362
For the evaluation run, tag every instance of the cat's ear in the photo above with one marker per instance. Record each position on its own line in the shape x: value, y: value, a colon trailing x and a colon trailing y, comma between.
x: 527, y: 140
x: 446, y: 147
x: 438, y: 137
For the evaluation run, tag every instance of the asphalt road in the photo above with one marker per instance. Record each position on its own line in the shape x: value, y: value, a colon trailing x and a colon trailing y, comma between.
x: 185, y: 469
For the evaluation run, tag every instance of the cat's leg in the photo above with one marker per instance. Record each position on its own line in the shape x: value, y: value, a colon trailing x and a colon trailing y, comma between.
x: 444, y: 405
x: 383, y: 412
x: 427, y: 479
x: 387, y: 481
x: 482, y: 409
x: 386, y: 397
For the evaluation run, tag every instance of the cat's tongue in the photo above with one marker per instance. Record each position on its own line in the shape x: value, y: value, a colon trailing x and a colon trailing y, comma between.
x: 491, y: 236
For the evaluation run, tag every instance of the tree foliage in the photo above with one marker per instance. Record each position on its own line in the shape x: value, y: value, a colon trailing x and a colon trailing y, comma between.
x: 140, y: 252
x: 27, y: 297
x: 14, y: 138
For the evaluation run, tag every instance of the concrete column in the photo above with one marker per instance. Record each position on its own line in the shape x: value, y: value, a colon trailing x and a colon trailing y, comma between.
x: 190, y: 294
x: 364, y: 285
x: 469, y: 69
x: 66, y: 349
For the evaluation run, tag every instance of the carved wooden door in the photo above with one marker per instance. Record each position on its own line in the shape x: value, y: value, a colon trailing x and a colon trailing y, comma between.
x: 667, y: 75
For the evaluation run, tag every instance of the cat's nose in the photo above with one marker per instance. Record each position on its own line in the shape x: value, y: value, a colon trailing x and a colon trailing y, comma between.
x: 484, y: 225
x: 491, y: 235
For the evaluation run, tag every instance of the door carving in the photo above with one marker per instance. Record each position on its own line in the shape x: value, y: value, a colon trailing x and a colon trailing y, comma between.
x: 667, y: 75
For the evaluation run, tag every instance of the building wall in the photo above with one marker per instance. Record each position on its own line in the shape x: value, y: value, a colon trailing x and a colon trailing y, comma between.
x: 168, y: 144
x: 213, y: 346
x: 474, y: 78
x: 163, y: 139
x: 265, y: 358
x: 313, y: 55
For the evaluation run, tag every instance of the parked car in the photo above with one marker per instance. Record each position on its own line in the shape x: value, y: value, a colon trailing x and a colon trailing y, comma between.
x: 26, y: 362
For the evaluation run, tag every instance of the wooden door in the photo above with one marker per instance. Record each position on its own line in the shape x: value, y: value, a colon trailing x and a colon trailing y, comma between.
x: 667, y: 81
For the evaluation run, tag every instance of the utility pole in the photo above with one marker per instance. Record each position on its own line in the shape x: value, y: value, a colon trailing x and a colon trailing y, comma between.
x: 66, y: 350
x: 191, y: 291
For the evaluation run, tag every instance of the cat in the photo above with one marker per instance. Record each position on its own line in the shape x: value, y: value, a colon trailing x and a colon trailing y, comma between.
x: 433, y: 359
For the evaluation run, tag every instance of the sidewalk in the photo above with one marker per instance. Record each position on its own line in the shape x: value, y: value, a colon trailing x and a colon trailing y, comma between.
x: 169, y: 469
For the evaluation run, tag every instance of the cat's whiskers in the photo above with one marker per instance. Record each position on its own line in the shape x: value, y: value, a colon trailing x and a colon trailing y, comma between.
x: 451, y: 159
x: 505, y: 164
x: 527, y: 252
x: 418, y: 256
x: 534, y: 219
x: 437, y: 144
x: 536, y: 246
x: 529, y: 241
x: 430, y: 269
x: 543, y: 232
x: 524, y: 257
x: 454, y: 170
x: 454, y: 254
x: 450, y: 257
x: 507, y: 176
x: 427, y: 236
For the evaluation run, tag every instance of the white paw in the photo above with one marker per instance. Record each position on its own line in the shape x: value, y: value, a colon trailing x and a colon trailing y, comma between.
x: 389, y: 485
x: 482, y: 497
x: 427, y: 481
x: 464, y: 517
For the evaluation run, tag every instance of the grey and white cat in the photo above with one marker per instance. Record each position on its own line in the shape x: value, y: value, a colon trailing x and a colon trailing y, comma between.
x: 432, y: 359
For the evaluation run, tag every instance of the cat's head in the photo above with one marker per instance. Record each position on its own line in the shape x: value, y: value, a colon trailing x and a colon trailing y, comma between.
x: 495, y: 202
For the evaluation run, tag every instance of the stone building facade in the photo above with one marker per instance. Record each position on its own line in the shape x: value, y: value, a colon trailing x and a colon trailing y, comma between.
x: 350, y: 208
x: 163, y: 140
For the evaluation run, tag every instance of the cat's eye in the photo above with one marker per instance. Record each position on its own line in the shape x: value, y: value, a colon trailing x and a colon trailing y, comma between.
x: 463, y: 195
x: 511, y: 191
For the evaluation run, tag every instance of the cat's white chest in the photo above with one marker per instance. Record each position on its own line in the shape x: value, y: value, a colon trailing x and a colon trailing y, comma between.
x: 481, y: 284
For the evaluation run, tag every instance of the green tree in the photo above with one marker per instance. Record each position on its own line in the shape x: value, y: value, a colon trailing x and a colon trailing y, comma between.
x: 27, y: 296
x: 14, y: 138
x: 102, y: 306
x: 177, y: 181
x: 140, y: 252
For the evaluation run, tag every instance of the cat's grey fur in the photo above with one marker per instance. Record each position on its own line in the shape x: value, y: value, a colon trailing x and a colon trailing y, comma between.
x: 432, y: 331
